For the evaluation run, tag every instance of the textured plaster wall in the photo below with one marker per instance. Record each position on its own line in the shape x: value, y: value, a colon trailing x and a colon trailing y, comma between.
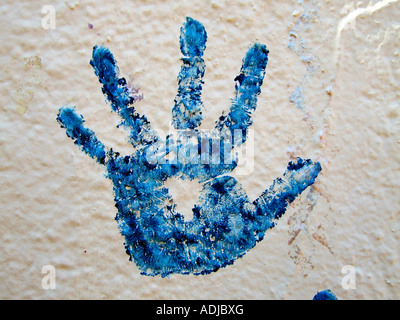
x: 340, y: 57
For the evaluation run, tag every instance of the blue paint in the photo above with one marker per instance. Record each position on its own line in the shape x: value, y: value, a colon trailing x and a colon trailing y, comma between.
x: 120, y: 97
x: 297, y: 97
x: 247, y: 88
x: 187, y: 111
x: 325, y: 295
x: 83, y: 137
x: 225, y: 223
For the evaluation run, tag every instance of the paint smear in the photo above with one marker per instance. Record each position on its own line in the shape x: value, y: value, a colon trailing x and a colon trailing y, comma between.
x: 225, y: 224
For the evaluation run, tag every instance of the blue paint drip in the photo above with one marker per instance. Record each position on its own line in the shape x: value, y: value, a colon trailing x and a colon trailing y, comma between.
x: 225, y: 223
x: 325, y: 295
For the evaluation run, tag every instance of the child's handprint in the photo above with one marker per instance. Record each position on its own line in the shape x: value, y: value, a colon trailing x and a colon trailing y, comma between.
x: 225, y: 224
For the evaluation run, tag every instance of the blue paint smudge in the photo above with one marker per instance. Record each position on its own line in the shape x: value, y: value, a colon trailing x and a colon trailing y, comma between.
x: 297, y: 97
x: 225, y: 223
x: 300, y: 46
x: 325, y: 295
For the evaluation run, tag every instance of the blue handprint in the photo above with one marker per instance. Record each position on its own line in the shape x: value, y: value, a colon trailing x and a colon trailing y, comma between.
x: 225, y: 224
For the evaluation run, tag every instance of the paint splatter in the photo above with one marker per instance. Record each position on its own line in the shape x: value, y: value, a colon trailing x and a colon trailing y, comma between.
x: 225, y: 224
x: 325, y: 295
